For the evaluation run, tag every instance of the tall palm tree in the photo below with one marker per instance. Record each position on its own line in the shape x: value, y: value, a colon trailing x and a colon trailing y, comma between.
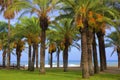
x: 80, y: 17
x: 99, y: 18
x: 8, y: 15
x: 41, y: 8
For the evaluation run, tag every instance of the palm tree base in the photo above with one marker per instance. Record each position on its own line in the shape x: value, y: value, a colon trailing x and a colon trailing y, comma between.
x: 65, y: 70
x: 42, y: 71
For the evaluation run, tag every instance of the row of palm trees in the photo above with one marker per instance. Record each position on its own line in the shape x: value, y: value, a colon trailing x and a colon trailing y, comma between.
x: 79, y: 17
x: 90, y: 17
x: 19, y: 36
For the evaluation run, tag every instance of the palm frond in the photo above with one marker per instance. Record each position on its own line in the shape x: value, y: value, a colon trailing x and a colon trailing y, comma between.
x: 113, y: 51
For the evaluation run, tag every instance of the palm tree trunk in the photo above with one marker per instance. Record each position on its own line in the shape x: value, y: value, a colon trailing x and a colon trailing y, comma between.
x: 104, y: 55
x: 4, y: 58
x: 29, y: 58
x: 18, y: 56
x: 89, y: 47
x: 103, y: 64
x: 118, y: 52
x: 85, y: 70
x: 48, y: 59
x: 95, y: 59
x: 18, y: 60
x: 33, y: 58
x: 51, y: 58
x: 8, y: 54
x: 44, y: 26
x: 119, y: 60
x: 42, y: 52
x: 58, y: 54
x: 81, y: 61
x: 65, y: 54
x: 37, y: 56
x: 65, y: 59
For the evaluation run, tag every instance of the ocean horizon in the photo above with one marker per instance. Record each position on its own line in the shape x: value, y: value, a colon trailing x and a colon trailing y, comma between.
x: 71, y: 63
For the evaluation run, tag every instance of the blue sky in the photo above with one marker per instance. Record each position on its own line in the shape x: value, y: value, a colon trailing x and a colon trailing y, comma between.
x: 74, y: 54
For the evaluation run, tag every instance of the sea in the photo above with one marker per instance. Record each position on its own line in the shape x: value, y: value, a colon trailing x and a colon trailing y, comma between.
x: 71, y: 63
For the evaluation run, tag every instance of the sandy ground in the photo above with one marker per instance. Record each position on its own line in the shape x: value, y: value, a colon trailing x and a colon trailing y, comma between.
x: 111, y: 70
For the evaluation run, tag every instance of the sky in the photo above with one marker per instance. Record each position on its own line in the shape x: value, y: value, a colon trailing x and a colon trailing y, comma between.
x: 74, y: 54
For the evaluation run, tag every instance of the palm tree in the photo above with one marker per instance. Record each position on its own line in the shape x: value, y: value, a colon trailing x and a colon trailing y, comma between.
x: 3, y: 40
x: 95, y: 58
x: 58, y: 55
x: 80, y: 17
x: 8, y: 15
x: 33, y: 37
x: 53, y: 38
x: 67, y: 31
x: 18, y: 43
x: 41, y: 8
x: 114, y: 41
x: 52, y: 48
x: 31, y: 30
x: 3, y: 47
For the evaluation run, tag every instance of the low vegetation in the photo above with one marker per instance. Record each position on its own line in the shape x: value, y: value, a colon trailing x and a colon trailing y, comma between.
x: 53, y: 74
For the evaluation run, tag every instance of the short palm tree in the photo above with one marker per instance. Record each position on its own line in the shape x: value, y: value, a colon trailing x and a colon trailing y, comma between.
x: 3, y: 46
x: 18, y: 43
x: 52, y: 49
x: 53, y: 38
x: 3, y: 40
x: 67, y: 31
x: 29, y: 28
x: 114, y: 41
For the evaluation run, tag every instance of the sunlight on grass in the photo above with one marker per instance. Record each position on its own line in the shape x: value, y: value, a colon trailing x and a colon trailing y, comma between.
x: 52, y: 74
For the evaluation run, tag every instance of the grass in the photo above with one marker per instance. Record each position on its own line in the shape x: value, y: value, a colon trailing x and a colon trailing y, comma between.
x: 52, y: 74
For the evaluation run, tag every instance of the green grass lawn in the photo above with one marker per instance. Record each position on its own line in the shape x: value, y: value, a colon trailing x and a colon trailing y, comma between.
x: 52, y: 74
